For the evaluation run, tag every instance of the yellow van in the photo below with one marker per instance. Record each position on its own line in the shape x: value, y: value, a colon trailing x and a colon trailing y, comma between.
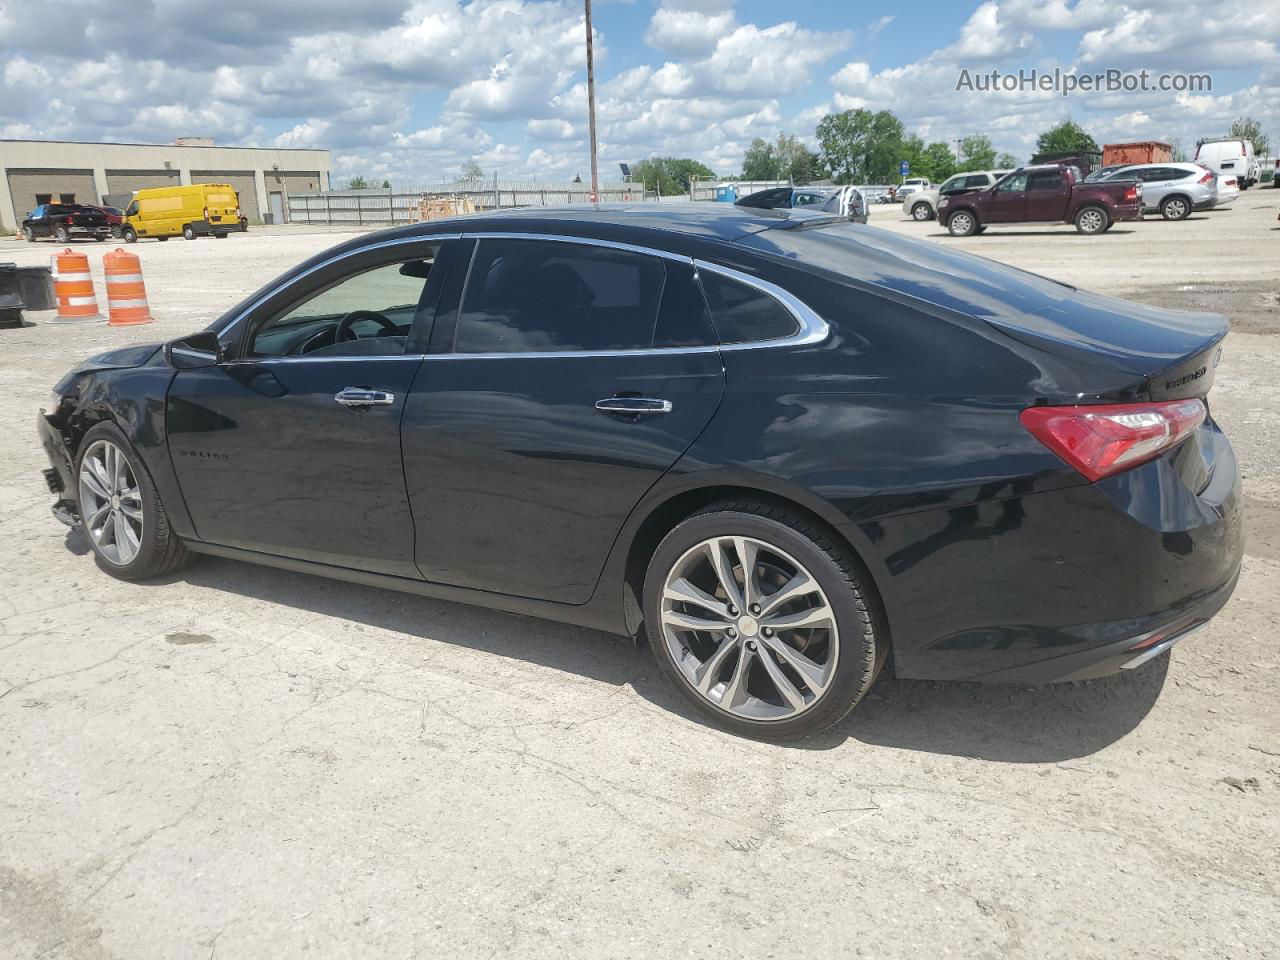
x: 200, y: 210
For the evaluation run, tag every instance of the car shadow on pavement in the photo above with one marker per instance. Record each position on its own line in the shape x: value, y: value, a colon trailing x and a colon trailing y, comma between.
x: 1005, y: 722
x: 1000, y: 722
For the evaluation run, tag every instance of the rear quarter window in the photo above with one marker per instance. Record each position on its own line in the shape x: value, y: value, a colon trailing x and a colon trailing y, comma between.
x: 743, y: 314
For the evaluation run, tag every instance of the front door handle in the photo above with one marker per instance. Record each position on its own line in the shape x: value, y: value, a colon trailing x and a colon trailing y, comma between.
x: 364, y: 397
x: 633, y: 405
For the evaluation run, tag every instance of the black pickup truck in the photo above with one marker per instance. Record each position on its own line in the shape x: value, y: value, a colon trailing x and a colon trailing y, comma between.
x: 62, y: 221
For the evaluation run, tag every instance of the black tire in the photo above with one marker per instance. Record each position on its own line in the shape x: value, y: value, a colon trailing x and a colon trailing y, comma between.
x: 1175, y: 208
x: 161, y: 551
x: 188, y: 233
x: 130, y: 236
x: 163, y: 239
x: 1092, y: 220
x: 921, y: 212
x: 28, y: 234
x: 863, y: 642
x: 99, y: 237
x: 219, y: 236
x: 981, y: 229
x: 962, y: 223
x: 61, y: 235
x: 116, y: 231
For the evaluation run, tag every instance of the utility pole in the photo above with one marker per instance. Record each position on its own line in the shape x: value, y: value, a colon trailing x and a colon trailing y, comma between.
x: 591, y: 108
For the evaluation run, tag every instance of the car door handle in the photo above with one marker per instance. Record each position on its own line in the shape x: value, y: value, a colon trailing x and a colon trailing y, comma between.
x: 364, y: 397
x: 633, y: 405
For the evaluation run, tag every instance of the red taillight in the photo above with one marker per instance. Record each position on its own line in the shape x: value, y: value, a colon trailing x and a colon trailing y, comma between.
x: 206, y: 213
x: 1208, y: 177
x: 1131, y: 195
x: 1230, y: 181
x: 1108, y: 438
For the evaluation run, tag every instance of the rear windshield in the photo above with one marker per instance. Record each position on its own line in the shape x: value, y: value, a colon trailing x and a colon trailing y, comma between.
x: 223, y: 199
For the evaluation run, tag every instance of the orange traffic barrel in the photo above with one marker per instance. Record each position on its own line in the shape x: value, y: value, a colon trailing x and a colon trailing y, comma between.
x: 126, y: 296
x: 73, y: 289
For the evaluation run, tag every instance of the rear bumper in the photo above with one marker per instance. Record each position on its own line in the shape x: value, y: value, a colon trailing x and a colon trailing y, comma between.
x: 203, y: 228
x: 1128, y: 211
x: 1066, y: 584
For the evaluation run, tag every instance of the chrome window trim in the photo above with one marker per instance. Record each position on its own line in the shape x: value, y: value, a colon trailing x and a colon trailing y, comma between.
x: 813, y: 329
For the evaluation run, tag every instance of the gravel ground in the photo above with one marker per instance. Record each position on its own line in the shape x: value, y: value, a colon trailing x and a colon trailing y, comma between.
x: 242, y: 762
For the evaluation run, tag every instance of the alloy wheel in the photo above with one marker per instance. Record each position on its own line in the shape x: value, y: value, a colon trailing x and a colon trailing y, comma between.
x: 1092, y: 221
x: 961, y: 224
x: 749, y: 628
x: 1175, y: 209
x: 111, y: 503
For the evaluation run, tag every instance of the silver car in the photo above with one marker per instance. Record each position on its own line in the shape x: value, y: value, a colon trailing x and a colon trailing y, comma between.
x: 1173, y: 189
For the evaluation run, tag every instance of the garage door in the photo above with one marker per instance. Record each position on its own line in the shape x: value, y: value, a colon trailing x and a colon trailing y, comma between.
x: 127, y: 181
x: 75, y: 186
x: 243, y: 184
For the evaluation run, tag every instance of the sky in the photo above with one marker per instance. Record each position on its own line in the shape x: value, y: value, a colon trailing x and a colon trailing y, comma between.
x: 410, y: 89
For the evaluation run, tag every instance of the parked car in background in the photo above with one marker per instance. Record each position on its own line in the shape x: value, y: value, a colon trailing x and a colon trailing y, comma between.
x: 1101, y: 172
x: 115, y: 218
x: 1086, y: 161
x: 1230, y: 157
x: 65, y: 221
x: 924, y: 204
x: 844, y: 201
x: 1172, y: 189
x: 781, y: 448
x: 197, y: 210
x: 1228, y: 189
x: 1043, y: 194
x: 912, y: 185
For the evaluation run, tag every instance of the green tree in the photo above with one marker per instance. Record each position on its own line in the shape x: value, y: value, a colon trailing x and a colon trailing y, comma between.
x: 796, y: 162
x: 976, y: 153
x: 1066, y: 137
x: 386, y: 184
x: 1179, y: 151
x: 670, y: 175
x: 760, y: 162
x: 357, y: 183
x: 937, y: 162
x: 1006, y: 161
x: 859, y: 146
x: 471, y: 170
x: 1247, y: 128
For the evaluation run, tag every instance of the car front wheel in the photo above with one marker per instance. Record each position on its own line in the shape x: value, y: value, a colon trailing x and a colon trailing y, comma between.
x: 188, y: 233
x: 129, y: 235
x: 962, y: 224
x: 28, y: 234
x: 762, y: 620
x: 120, y: 511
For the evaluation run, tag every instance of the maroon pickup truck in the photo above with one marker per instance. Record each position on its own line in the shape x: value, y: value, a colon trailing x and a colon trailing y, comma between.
x: 1043, y: 194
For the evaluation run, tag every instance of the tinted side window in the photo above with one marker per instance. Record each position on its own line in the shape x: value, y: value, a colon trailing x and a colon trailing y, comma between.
x: 683, y: 320
x: 977, y: 180
x: 743, y: 314
x: 1047, y: 180
x: 1013, y: 184
x: 526, y: 296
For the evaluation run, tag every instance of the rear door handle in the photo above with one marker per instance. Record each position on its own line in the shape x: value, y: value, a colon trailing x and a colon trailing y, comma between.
x: 633, y: 405
x: 364, y: 397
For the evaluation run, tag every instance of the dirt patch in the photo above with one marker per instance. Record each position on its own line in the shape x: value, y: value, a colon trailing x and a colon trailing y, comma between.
x: 183, y: 639
x: 1251, y: 307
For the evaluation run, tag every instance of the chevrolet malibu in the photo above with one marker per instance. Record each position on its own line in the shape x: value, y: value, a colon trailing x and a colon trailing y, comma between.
x: 778, y: 446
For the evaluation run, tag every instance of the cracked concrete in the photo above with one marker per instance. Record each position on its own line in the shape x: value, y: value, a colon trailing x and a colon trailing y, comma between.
x: 243, y: 762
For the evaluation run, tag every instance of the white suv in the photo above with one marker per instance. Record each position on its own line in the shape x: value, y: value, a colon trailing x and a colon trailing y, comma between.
x: 924, y: 205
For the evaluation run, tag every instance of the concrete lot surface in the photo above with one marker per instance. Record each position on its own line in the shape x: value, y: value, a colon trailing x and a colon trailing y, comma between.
x: 247, y: 763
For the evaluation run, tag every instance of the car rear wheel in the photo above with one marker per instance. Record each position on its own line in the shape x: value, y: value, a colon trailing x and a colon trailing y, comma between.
x: 120, y: 511
x: 188, y: 233
x: 1175, y: 208
x: 28, y: 234
x: 61, y: 234
x: 962, y: 224
x: 129, y: 235
x: 116, y: 232
x: 762, y: 620
x: 163, y: 239
x: 1092, y: 220
x: 922, y: 211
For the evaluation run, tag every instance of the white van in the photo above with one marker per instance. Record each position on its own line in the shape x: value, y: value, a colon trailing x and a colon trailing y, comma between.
x: 1231, y: 157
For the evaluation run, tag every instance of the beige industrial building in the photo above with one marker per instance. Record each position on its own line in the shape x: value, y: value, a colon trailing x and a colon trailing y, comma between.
x: 53, y: 171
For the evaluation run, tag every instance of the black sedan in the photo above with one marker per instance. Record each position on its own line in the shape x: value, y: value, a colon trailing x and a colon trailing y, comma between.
x: 779, y: 446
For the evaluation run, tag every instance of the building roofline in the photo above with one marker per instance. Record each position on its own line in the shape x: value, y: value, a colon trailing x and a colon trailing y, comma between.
x: 179, y: 146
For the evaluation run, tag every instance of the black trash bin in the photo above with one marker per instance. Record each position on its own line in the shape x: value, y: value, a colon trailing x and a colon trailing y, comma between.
x: 35, y: 285
x: 10, y: 296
